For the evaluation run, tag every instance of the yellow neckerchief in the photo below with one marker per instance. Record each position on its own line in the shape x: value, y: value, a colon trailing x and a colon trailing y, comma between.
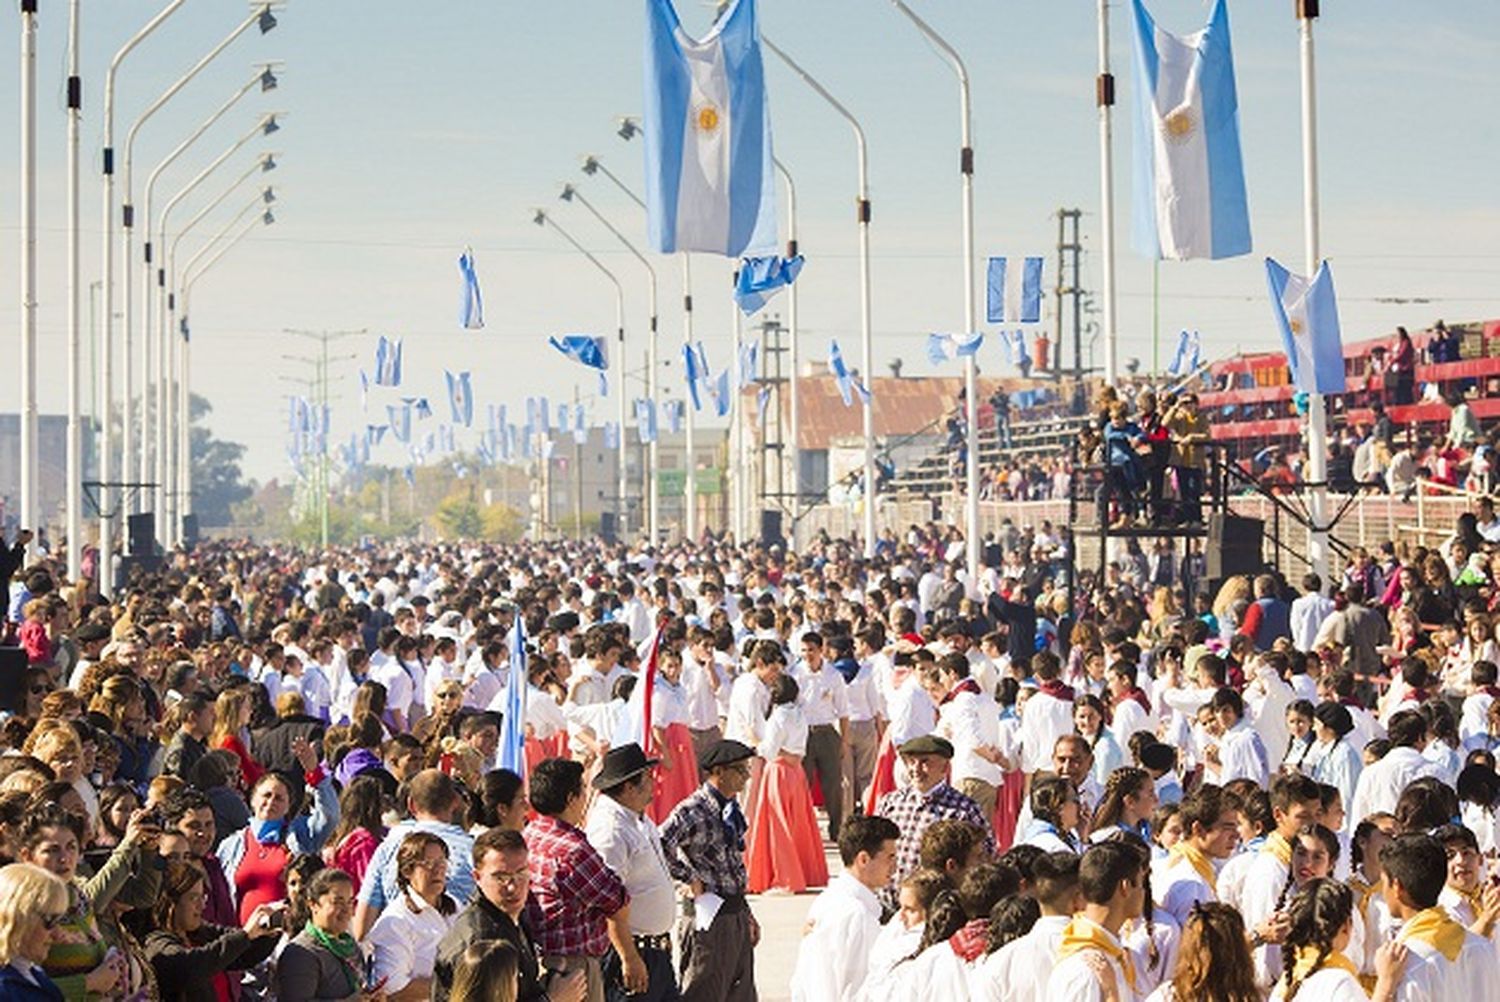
x: 1362, y: 892
x: 1080, y: 934
x: 1200, y: 862
x: 1435, y: 927
x: 1472, y: 897
x: 1277, y: 845
x: 1307, y: 957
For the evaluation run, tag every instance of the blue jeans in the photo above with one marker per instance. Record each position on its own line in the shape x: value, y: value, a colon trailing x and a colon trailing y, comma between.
x: 663, y: 984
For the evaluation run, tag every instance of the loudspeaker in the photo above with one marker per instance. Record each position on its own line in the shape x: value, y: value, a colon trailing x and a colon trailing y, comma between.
x: 142, y: 530
x: 13, y: 679
x: 1235, y: 546
x: 190, y: 531
x: 770, y: 528
x: 126, y: 566
x: 608, y: 528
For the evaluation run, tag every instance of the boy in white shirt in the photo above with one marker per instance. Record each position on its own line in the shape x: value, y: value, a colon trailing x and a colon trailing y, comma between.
x: 844, y: 921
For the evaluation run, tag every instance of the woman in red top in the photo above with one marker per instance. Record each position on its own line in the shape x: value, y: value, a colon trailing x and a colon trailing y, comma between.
x: 1404, y: 367
x: 231, y: 720
x: 360, y: 827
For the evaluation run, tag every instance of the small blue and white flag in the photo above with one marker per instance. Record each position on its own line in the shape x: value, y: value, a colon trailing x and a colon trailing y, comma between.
x: 1189, y: 354
x: 749, y: 354
x: 410, y: 476
x: 1189, y: 175
x: 429, y: 444
x: 710, y: 183
x: 1013, y: 343
x: 695, y: 370
x: 762, y: 399
x: 364, y: 391
x: 611, y: 435
x: 848, y: 385
x: 424, y: 409
x: 1307, y: 312
x: 374, y: 433
x: 720, y: 394
x: 511, y: 753
x: 1014, y: 290
x: 399, y: 419
x: 580, y: 425
x: 528, y: 446
x: 760, y: 278
x: 563, y: 423
x: 508, y: 441
x: 388, y: 362
x: 645, y: 420
x: 946, y: 347
x: 544, y: 415
x: 673, y: 410
x: 460, y: 397
x: 471, y: 306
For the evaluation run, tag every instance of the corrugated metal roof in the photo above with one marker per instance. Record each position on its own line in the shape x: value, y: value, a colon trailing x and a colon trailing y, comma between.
x: 902, y: 407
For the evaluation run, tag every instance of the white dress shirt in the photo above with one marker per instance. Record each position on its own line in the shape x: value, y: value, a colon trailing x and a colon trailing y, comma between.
x: 403, y: 943
x: 1380, y: 783
x: 1307, y: 614
x: 822, y: 695
x: 1242, y: 755
x: 863, y: 694
x: 1044, y: 719
x: 1018, y: 971
x: 785, y: 731
x: 749, y: 701
x: 833, y: 959
x: 971, y: 721
x: 631, y: 846
x: 1073, y: 978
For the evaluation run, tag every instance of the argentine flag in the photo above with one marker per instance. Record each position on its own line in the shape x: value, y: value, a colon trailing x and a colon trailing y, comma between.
x: 946, y: 347
x: 399, y: 419
x: 388, y: 362
x: 460, y: 398
x: 847, y: 384
x: 471, y: 306
x: 1014, y: 291
x: 1189, y: 177
x: 1307, y: 313
x: 1188, y: 356
x: 710, y: 185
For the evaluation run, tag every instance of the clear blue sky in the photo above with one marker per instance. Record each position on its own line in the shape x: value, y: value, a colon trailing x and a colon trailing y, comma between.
x: 415, y: 129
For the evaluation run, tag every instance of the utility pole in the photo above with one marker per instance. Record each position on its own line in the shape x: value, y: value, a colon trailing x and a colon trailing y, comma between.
x: 324, y: 338
x: 1070, y: 245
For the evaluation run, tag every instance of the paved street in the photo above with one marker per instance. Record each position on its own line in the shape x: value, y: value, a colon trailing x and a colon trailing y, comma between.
x: 781, y: 917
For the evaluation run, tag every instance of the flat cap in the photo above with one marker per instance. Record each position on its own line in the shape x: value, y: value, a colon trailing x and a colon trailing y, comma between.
x: 725, y: 752
x: 928, y: 744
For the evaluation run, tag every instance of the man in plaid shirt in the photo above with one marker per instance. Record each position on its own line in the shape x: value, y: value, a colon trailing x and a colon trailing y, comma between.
x: 704, y: 841
x: 579, y: 907
x: 926, y: 799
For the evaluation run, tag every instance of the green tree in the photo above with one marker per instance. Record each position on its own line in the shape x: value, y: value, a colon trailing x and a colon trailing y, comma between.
x: 459, y: 518
x: 218, y: 483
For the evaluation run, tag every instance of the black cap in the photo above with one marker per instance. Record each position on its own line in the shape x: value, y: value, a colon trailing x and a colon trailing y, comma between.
x: 928, y: 744
x: 88, y: 633
x: 1158, y: 756
x: 621, y: 765
x: 725, y: 752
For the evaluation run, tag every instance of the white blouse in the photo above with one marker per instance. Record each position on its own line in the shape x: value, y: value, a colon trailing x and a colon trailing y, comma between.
x: 402, y: 944
x: 786, y: 731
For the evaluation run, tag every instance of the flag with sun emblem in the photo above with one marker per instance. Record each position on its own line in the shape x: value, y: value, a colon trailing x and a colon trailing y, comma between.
x: 710, y: 185
x: 1189, y: 176
x: 1307, y: 313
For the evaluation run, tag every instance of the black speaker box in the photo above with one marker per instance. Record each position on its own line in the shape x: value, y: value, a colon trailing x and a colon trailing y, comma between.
x: 609, y: 529
x: 770, y: 528
x: 142, y: 532
x: 190, y: 531
x: 1235, y: 546
x: 13, y: 679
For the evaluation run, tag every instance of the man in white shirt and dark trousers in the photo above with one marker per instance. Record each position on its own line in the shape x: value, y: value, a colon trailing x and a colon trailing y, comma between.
x: 866, y: 709
x: 631, y: 846
x: 1018, y: 971
x: 844, y: 922
x: 971, y: 720
x: 1308, y: 613
x: 825, y: 704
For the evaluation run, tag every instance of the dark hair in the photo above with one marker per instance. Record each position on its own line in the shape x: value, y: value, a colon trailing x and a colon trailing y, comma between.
x: 1228, y: 699
x: 945, y: 916
x: 1330, y: 844
x: 1293, y: 788
x: 1452, y: 835
x: 947, y: 840
x: 1425, y: 804
x: 1048, y: 796
x: 322, y: 882
x: 1122, y: 783
x: 361, y: 805
x: 1406, y: 729
x: 305, y: 865
x: 409, y: 856
x: 1055, y: 880
x: 784, y: 689
x: 1418, y: 863
x: 39, y: 818
x: 554, y: 782
x: 982, y: 887
x: 865, y: 833
x: 1010, y: 919
x: 1105, y: 866
x: 1024, y: 858
x: 497, y: 840
x: 1317, y: 913
x: 497, y: 789
x: 178, y: 877
x: 1204, y: 806
x: 484, y: 970
x: 182, y: 803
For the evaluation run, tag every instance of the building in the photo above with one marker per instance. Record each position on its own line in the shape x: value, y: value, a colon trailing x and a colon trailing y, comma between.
x: 52, y: 453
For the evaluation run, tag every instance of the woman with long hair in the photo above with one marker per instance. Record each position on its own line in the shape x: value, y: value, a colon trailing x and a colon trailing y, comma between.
x: 1299, y: 746
x: 1314, y: 965
x: 1213, y: 959
x: 1334, y: 761
x: 360, y: 828
x: 1128, y: 802
x: 193, y: 958
x: 783, y: 847
x: 900, y: 939
x: 1089, y: 716
x: 677, y: 776
x: 232, y: 712
x: 489, y: 971
x: 1054, y: 815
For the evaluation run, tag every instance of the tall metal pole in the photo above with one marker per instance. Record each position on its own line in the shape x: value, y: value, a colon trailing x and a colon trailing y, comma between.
x: 649, y: 494
x: 74, y: 491
x: 1317, y: 419
x: 541, y: 218
x: 1105, y: 96
x: 738, y: 496
x: 30, y: 505
x: 106, y: 349
x: 793, y: 407
x: 866, y: 341
x: 971, y: 322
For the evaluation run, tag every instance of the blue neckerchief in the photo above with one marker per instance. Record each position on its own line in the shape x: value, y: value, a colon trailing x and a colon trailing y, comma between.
x: 733, y: 818
x: 270, y: 832
x: 847, y: 667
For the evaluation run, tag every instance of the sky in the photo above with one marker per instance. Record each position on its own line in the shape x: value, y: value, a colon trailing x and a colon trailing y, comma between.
x: 413, y: 131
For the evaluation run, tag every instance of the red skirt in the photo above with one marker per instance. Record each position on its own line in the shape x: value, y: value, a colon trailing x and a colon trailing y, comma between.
x: 676, y: 784
x: 884, y: 780
x: 784, y: 847
x: 1008, y: 810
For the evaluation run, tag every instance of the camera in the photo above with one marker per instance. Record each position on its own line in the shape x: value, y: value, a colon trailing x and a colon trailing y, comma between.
x: 274, y: 920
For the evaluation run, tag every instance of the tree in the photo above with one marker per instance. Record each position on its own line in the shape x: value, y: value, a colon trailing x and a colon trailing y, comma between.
x: 458, y: 517
x: 218, y: 483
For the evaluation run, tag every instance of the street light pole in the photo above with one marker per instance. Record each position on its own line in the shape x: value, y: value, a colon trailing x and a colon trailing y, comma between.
x: 971, y: 322
x: 541, y: 218
x: 74, y: 492
x: 867, y: 351
x: 30, y: 468
x: 1317, y: 416
x: 1105, y: 97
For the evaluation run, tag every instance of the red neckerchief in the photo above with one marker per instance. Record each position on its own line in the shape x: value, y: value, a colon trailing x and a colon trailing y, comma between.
x: 969, y: 942
x: 1135, y: 693
x: 1416, y: 696
x: 1351, y: 701
x: 1056, y: 690
x: 1493, y: 691
x: 967, y: 685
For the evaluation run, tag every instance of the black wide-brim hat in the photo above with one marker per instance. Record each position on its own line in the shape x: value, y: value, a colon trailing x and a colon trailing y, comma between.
x: 621, y: 765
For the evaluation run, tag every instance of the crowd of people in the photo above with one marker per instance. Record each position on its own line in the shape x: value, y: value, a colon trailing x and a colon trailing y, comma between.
x: 257, y: 772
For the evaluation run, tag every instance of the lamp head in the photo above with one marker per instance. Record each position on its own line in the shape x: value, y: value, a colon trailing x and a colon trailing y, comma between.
x: 267, y: 80
x: 591, y: 165
x: 268, y: 163
x: 268, y: 194
x: 629, y: 128
x: 539, y: 216
x: 267, y: 218
x: 268, y: 125
x: 567, y: 193
x: 267, y: 20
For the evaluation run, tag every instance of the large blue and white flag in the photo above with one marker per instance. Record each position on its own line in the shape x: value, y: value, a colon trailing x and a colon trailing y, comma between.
x: 848, y: 385
x: 695, y: 370
x: 946, y: 347
x: 471, y: 306
x: 388, y: 362
x: 591, y: 350
x: 710, y: 184
x: 720, y: 393
x: 760, y: 278
x: 645, y: 420
x: 1189, y: 354
x: 511, y: 754
x: 1189, y: 176
x: 460, y: 397
x: 1307, y: 312
x: 1014, y: 290
x: 399, y: 419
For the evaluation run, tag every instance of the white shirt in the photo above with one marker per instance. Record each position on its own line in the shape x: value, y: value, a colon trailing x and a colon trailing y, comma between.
x: 1044, y: 719
x: 1180, y: 888
x: 822, y: 695
x: 1307, y: 614
x: 631, y: 847
x: 1338, y: 765
x: 913, y: 713
x: 398, y: 688
x: 971, y: 720
x: 314, y: 689
x: 1266, y: 700
x: 1073, y: 978
x: 749, y: 701
x: 1018, y: 971
x: 403, y: 944
x: 702, y: 705
x: 1381, y: 783
x: 833, y: 959
x: 863, y: 694
x: 1130, y: 717
x: 1242, y: 755
x: 1330, y: 984
x: 1474, y: 720
x: 785, y: 731
x: 1429, y: 976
